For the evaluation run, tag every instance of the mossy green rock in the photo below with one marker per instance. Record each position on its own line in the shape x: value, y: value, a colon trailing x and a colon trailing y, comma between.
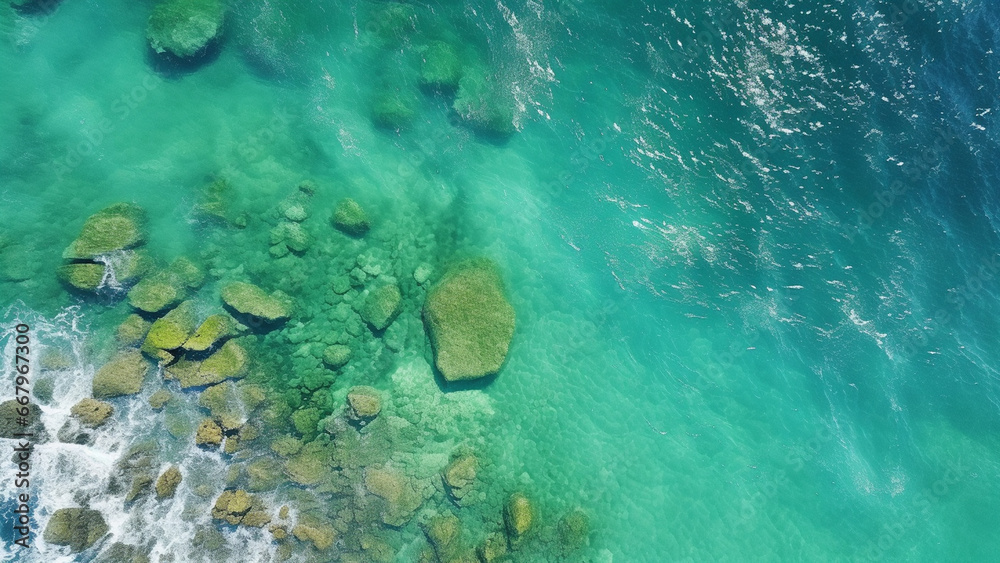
x: 154, y: 294
x: 351, y: 218
x: 460, y: 475
x: 215, y: 328
x: 117, y: 227
x: 167, y: 483
x: 393, y: 109
x: 382, y: 306
x: 172, y: 330
x: 493, y: 548
x: 84, y: 276
x: 518, y: 517
x: 444, y: 534
x: 187, y: 272
x: 573, y: 530
x: 123, y: 375
x: 209, y: 433
x: 264, y: 474
x: 484, y: 104
x: 133, y: 330
x: 364, y: 402
x: 184, y: 28
x: 79, y: 528
x: 249, y: 299
x: 91, y: 412
x: 227, y: 362
x: 336, y: 356
x: 441, y: 68
x: 470, y: 321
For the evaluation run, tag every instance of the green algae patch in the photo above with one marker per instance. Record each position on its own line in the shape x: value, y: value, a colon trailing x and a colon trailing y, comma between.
x: 401, y: 499
x: 351, y: 218
x: 168, y: 481
x: 172, y: 330
x: 184, y: 28
x: 91, y: 412
x: 83, y: 276
x: 78, y: 528
x: 573, y: 530
x: 154, y: 294
x: 227, y: 362
x: 123, y: 375
x: 484, y: 104
x: 211, y: 331
x: 187, y: 272
x: 249, y: 299
x: 441, y: 67
x: 470, y: 321
x: 133, y: 330
x: 336, y: 356
x: 382, y: 306
x: 117, y: 227
x: 518, y: 517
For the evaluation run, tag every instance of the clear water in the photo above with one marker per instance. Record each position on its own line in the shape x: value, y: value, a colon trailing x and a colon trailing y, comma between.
x: 752, y: 249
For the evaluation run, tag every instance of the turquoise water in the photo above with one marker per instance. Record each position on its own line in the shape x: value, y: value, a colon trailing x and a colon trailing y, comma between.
x: 752, y: 251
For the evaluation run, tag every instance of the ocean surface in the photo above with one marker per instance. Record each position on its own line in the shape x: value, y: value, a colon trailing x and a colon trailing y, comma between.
x: 752, y: 249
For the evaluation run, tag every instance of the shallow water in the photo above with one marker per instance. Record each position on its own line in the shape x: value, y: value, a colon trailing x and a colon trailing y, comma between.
x: 751, y: 250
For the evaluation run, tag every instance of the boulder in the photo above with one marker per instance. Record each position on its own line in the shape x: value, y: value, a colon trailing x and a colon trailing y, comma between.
x: 91, y: 412
x: 215, y: 328
x: 573, y: 530
x: 227, y: 362
x: 166, y: 484
x: 79, y: 528
x: 159, y: 399
x: 518, y: 516
x: 485, y: 104
x: 133, y: 330
x: 320, y: 534
x: 172, y: 330
x: 117, y: 227
x: 402, y: 501
x: 123, y: 375
x: 336, y: 356
x: 83, y: 276
x: 469, y: 321
x: 364, y: 403
x: 444, y: 533
x: 442, y: 68
x: 350, y: 218
x: 382, y: 306
x: 460, y: 475
x: 185, y: 28
x: 187, y: 272
x: 155, y: 294
x: 235, y: 507
x: 209, y: 434
x: 393, y: 109
x: 249, y: 299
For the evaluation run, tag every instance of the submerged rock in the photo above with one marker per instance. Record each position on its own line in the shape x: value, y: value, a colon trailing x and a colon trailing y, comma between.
x: 113, y: 228
x: 470, y: 321
x: 320, y: 534
x: 249, y: 299
x: 336, y: 356
x: 213, y: 329
x: 83, y: 276
x: 185, y: 28
x: 154, y: 294
x: 350, y: 218
x: 518, y: 517
x: 133, y: 330
x: 393, y: 109
x: 159, y: 399
x: 364, y: 403
x: 123, y: 375
x: 240, y: 507
x: 172, y: 330
x: 123, y: 553
x: 402, y: 501
x: 573, y: 530
x: 382, y: 306
x: 442, y: 68
x: 79, y: 528
x: 493, y: 548
x: 209, y: 434
x: 91, y: 412
x: 444, y: 533
x: 228, y: 362
x: 460, y: 475
x: 167, y: 483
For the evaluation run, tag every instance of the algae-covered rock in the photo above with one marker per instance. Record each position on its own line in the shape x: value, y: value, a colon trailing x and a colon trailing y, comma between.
x: 320, y: 534
x: 310, y: 465
x: 402, y: 501
x: 493, y: 549
x: 306, y: 421
x: 460, y: 475
x: 133, y: 330
x: 518, y: 516
x: 83, y: 276
x: 185, y: 28
x: 91, y: 412
x: 215, y: 328
x: 79, y: 528
x: 264, y: 474
x: 484, y: 103
x: 364, y: 403
x: 393, y: 109
x: 123, y: 375
x: 187, y: 272
x: 154, y: 294
x: 350, y: 218
x: 227, y: 362
x: 172, y: 330
x: 382, y: 306
x: 573, y: 530
x: 249, y: 299
x: 469, y: 321
x: 167, y: 483
x: 159, y: 399
x: 442, y: 68
x: 224, y: 405
x: 116, y: 227
x: 444, y: 534
x: 336, y: 356
x: 234, y: 506
x: 209, y: 434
